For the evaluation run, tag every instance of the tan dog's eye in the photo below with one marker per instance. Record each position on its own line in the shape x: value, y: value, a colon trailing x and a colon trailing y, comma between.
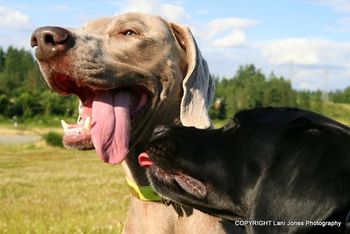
x: 129, y: 32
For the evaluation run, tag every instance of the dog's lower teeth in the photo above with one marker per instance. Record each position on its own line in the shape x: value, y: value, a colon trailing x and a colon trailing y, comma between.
x: 64, y: 124
x: 82, y: 125
x: 87, y: 125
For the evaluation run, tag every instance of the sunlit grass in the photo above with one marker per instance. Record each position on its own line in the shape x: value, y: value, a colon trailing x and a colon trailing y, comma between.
x: 52, y: 190
x: 337, y: 111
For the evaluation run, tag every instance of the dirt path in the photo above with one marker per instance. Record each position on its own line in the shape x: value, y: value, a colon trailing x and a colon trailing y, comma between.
x: 21, y: 135
x: 9, y: 135
x: 18, y: 139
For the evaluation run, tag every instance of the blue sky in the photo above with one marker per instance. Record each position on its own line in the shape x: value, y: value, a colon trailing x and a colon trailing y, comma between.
x: 306, y: 41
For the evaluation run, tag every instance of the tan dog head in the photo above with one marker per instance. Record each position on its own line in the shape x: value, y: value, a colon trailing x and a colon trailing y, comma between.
x: 131, y: 73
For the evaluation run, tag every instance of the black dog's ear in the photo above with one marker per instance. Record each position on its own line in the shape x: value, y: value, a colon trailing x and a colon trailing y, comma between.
x: 301, y: 123
x: 232, y: 125
x: 308, y: 181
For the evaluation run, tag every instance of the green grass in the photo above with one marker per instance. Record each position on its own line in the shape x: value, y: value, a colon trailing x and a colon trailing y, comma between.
x: 53, y: 190
x: 338, y: 111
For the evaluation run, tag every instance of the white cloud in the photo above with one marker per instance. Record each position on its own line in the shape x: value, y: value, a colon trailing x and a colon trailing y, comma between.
x: 336, y: 5
x: 171, y: 12
x: 222, y: 32
x: 13, y: 20
x: 15, y: 28
x: 309, y: 63
x: 224, y: 24
x: 20, y: 40
x: 174, y: 12
x: 226, y: 32
x: 320, y: 78
x: 309, y: 52
x: 309, y: 79
x: 234, y: 39
x: 149, y: 7
x: 309, y: 75
x: 309, y: 86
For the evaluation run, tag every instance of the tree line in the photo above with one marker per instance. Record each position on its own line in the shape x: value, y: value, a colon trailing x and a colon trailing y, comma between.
x: 24, y: 93
x: 251, y: 88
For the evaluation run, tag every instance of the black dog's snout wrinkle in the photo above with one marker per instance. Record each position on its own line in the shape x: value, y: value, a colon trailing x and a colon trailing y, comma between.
x: 51, y: 41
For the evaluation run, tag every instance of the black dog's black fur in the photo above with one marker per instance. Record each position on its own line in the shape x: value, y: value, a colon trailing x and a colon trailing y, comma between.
x: 269, y: 164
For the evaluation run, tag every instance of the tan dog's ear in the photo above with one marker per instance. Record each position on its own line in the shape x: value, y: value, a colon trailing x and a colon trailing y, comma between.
x: 198, y: 86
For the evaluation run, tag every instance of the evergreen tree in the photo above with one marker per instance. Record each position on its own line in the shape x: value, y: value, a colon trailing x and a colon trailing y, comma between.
x: 2, y: 59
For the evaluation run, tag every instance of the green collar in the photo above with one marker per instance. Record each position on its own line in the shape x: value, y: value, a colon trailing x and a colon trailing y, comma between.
x: 143, y: 193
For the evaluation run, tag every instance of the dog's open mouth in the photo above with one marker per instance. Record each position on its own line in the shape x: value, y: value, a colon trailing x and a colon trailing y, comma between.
x: 186, y: 182
x: 105, y: 116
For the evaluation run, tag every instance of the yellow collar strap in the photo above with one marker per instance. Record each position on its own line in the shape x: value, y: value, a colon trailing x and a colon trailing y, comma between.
x: 143, y: 193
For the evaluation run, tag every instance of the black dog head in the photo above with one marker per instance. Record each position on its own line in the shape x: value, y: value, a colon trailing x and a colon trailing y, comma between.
x: 178, y: 157
x: 188, y: 165
x: 266, y: 164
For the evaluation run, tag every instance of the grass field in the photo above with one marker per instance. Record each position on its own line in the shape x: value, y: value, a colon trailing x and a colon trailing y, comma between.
x: 337, y: 111
x: 52, y: 190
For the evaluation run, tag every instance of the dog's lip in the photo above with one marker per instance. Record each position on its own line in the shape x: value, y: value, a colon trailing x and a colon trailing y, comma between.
x: 188, y: 183
x: 191, y: 185
x: 66, y: 85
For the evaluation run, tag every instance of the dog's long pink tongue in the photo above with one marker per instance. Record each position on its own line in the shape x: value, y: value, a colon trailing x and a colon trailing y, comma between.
x: 111, y: 126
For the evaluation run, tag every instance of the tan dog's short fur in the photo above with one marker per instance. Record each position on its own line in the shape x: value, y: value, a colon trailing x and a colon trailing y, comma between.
x: 136, y: 49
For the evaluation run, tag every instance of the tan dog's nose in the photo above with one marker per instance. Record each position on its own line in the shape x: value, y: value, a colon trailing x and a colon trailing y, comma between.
x: 50, y: 42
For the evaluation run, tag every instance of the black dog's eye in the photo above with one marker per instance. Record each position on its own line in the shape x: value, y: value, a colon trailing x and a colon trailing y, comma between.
x: 128, y: 32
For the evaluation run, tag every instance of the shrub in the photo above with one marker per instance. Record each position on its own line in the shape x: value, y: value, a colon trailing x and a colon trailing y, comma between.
x: 53, y: 138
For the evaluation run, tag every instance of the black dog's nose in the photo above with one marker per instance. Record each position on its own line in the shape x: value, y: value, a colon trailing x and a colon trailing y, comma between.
x: 160, y: 130
x: 50, y: 41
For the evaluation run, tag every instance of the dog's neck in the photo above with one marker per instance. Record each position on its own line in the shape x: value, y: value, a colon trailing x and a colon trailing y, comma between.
x: 133, y: 171
x: 166, y: 113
